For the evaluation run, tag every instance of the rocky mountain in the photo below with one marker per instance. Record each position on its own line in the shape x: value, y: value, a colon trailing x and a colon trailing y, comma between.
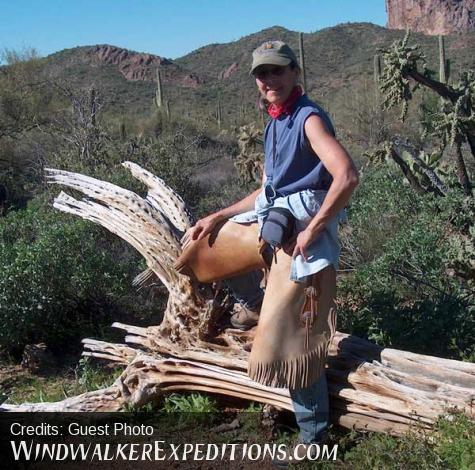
x: 132, y: 65
x: 339, y: 60
x: 432, y: 16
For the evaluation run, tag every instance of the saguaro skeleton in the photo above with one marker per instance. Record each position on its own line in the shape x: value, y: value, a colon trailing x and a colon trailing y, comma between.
x: 372, y: 388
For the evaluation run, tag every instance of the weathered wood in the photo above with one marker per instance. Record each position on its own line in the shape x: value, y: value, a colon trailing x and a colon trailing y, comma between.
x: 383, y: 390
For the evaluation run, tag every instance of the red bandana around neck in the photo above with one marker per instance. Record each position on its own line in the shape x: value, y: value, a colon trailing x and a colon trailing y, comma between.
x: 275, y: 110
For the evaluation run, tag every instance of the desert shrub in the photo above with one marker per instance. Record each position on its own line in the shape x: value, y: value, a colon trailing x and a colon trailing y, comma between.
x: 450, y: 445
x: 62, y: 278
x: 65, y: 278
x: 381, y: 205
x: 455, y: 441
x: 15, y: 172
x: 190, y: 408
x: 89, y: 376
x: 192, y: 403
x: 381, y: 451
x: 178, y: 156
x: 400, y: 293
x: 26, y: 102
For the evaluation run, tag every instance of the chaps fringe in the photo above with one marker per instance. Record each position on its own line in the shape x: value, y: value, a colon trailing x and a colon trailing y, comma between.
x: 297, y: 372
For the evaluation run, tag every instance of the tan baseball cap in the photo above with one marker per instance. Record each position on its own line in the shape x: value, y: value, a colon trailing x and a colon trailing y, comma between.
x: 272, y: 53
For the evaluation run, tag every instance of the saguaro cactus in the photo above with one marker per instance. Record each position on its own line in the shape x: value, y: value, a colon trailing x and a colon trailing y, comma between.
x: 377, y: 68
x: 158, y: 99
x: 122, y: 131
x: 92, y: 106
x: 377, y: 77
x: 442, y: 61
x: 219, y: 111
x: 167, y: 108
x: 302, y: 62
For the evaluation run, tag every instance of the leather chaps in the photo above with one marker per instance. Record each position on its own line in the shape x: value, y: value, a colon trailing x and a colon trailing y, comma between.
x: 291, y: 343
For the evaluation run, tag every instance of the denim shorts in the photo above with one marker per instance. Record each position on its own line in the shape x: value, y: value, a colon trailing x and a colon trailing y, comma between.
x: 324, y: 250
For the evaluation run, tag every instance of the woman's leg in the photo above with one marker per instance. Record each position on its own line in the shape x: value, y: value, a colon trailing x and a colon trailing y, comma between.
x: 246, y: 289
x: 311, y: 405
x: 312, y: 410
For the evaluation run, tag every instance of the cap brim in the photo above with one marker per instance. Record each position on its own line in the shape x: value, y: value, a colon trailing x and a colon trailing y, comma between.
x: 274, y: 60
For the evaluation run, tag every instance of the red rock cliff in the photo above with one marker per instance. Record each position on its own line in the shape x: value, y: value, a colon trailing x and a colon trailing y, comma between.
x: 432, y: 16
x: 139, y: 66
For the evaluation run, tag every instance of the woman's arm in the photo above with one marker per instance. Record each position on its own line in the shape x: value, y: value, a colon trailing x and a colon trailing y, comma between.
x: 206, y: 225
x: 345, y: 179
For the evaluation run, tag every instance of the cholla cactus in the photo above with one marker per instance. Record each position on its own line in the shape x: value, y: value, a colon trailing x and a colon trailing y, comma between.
x: 379, y: 155
x: 455, y: 120
x: 399, y: 60
x: 453, y: 123
x: 249, y: 160
x: 418, y: 167
x: 462, y: 117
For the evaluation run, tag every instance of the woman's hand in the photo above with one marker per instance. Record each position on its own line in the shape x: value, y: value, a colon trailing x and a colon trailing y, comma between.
x: 207, y: 224
x: 302, y: 242
x: 201, y: 229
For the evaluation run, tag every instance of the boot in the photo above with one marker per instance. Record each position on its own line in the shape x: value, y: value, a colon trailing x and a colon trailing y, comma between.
x: 244, y: 318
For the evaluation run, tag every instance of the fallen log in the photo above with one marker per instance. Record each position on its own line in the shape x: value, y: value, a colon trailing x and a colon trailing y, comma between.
x: 384, y: 390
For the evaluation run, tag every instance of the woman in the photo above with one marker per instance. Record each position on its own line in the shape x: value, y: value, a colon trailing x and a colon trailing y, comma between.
x: 305, y: 166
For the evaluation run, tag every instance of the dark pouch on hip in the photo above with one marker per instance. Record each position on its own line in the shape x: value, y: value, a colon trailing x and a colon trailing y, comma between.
x: 278, y: 227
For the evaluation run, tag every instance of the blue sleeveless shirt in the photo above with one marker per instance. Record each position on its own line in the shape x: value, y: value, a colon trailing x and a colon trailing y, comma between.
x: 296, y: 166
x: 301, y: 183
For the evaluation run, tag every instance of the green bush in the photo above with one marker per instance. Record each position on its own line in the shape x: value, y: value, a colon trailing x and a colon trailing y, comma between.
x: 400, y: 293
x: 192, y: 403
x: 451, y: 446
x: 90, y: 377
x: 62, y: 278
x: 455, y: 441
x: 174, y: 156
x: 383, y: 452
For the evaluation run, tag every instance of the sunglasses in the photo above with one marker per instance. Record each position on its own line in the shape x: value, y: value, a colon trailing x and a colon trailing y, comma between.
x: 275, y: 71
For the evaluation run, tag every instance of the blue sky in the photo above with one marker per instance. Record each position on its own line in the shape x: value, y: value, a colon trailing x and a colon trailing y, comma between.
x: 167, y: 28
